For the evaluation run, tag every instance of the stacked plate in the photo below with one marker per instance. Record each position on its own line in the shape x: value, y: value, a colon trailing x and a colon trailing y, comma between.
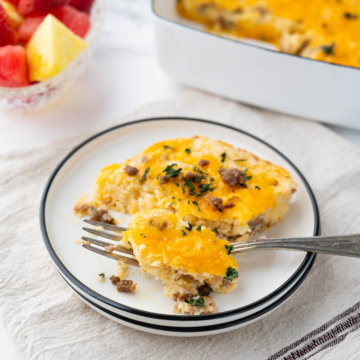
x: 266, y: 278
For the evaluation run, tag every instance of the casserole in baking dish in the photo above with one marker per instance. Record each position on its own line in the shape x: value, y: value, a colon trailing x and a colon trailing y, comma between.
x: 319, y: 29
x: 255, y: 72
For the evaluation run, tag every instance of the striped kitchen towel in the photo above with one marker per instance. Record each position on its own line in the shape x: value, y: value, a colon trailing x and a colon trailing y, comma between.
x: 324, y: 338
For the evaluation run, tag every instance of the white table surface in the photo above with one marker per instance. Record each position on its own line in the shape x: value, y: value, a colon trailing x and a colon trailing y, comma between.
x: 122, y: 76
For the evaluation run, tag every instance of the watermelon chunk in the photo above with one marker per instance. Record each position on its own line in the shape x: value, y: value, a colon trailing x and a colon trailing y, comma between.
x: 7, y: 32
x: 39, y: 7
x: 82, y: 5
x: 13, y: 66
x: 28, y: 27
x: 73, y: 19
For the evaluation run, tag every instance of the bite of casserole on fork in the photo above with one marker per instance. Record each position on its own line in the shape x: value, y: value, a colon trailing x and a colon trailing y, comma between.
x: 183, y: 257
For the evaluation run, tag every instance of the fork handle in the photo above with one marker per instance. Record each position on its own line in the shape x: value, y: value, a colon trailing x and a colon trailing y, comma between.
x: 346, y: 245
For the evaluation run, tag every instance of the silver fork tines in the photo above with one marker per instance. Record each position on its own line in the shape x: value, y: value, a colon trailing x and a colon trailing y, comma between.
x: 106, y: 226
x: 120, y: 252
x: 113, y: 256
x: 103, y: 234
x: 105, y: 244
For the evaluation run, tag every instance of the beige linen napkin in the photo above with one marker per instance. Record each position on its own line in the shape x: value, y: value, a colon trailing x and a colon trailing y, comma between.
x: 47, y: 321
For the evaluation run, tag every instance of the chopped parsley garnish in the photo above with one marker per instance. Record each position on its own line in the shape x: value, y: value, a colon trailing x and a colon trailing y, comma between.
x: 188, y: 151
x: 172, y: 204
x: 238, y: 160
x: 196, y: 301
x: 223, y: 157
x: 166, y: 147
x: 229, y: 249
x: 102, y: 275
x: 348, y: 15
x: 202, y: 173
x: 189, y: 184
x: 199, y: 228
x: 170, y: 172
x: 205, y: 187
x: 328, y: 49
x: 245, y: 178
x: 258, y: 187
x: 177, y: 185
x: 189, y: 227
x: 215, y: 230
x: 184, y: 232
x: 144, y: 175
x: 212, y: 179
x: 231, y: 274
x: 196, y: 204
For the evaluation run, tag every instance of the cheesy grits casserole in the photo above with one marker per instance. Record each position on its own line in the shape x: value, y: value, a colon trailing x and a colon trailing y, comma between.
x: 188, y: 198
x: 205, y: 182
x: 326, y: 30
x: 186, y: 259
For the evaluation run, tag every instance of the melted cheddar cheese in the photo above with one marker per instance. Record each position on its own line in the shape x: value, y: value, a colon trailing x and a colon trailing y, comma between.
x: 197, y: 252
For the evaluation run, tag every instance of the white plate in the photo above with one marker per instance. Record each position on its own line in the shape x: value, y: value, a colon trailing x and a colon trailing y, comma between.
x: 264, y: 276
x: 191, y: 328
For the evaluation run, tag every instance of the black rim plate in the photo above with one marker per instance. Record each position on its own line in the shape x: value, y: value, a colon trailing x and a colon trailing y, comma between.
x: 307, y: 260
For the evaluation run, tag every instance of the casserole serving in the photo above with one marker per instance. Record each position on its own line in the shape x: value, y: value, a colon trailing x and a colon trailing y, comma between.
x: 207, y: 182
x: 188, y: 198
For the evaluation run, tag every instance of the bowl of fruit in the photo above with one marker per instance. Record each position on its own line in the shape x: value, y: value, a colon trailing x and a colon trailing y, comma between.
x: 44, y: 48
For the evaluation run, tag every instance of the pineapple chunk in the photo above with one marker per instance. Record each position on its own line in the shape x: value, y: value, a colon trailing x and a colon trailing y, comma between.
x: 13, y: 14
x: 52, y: 47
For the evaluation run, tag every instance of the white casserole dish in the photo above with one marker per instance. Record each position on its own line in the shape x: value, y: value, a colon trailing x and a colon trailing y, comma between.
x: 251, y: 73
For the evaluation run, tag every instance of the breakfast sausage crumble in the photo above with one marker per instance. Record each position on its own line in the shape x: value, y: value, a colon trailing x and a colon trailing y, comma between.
x: 95, y: 213
x: 123, y: 285
x: 131, y: 170
x: 232, y: 177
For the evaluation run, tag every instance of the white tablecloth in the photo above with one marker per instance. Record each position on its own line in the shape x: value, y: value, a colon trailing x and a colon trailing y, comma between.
x: 46, y: 321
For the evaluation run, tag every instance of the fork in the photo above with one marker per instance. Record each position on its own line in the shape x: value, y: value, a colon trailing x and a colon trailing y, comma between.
x: 345, y: 245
